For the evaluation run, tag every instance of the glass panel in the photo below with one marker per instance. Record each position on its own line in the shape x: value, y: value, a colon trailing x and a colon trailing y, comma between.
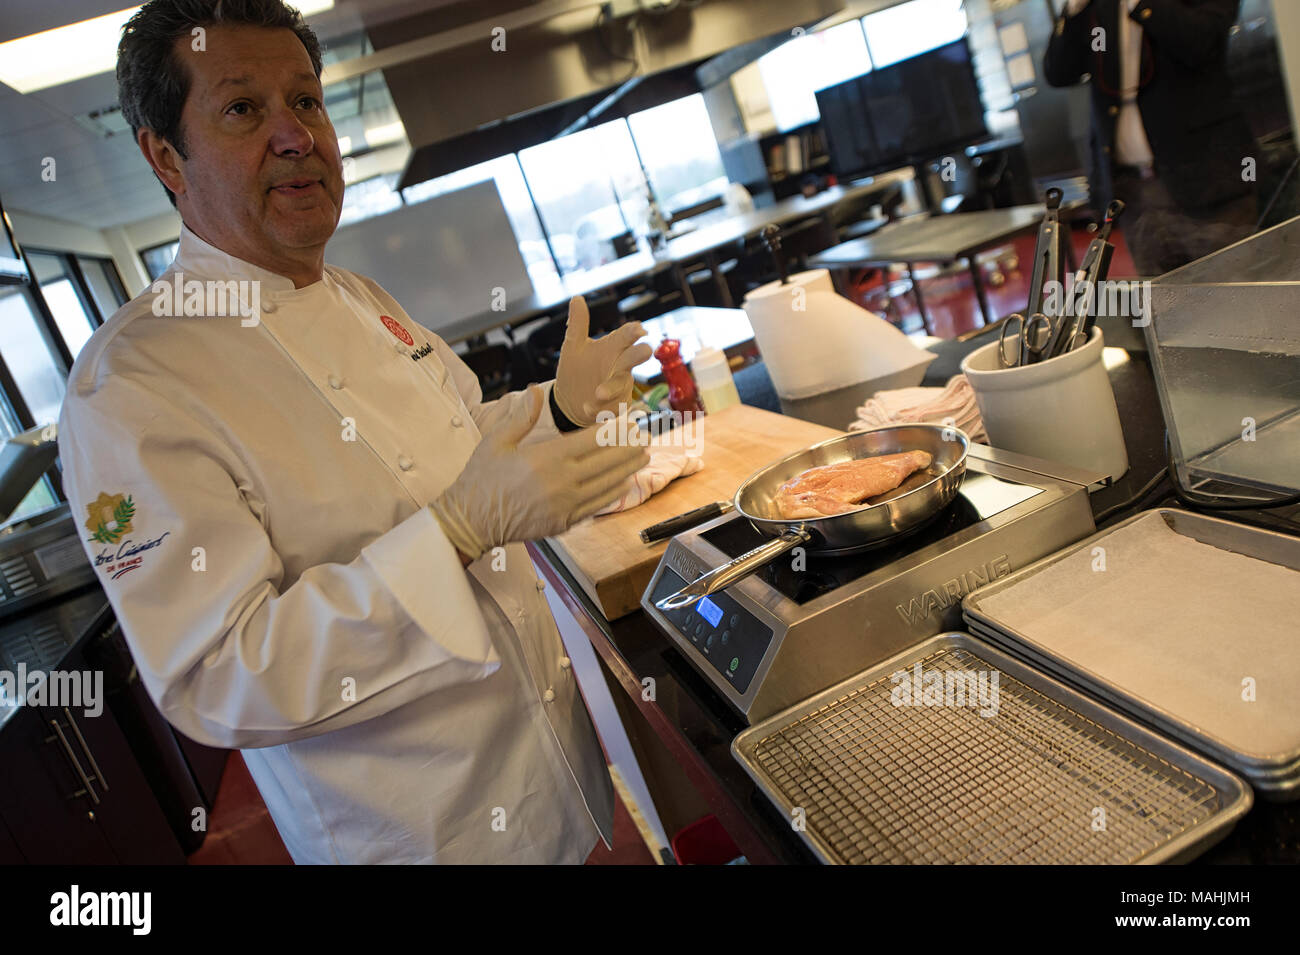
x: 39, y: 375
x: 912, y: 28
x: 589, y: 190
x: 159, y: 259
x: 105, y: 288
x: 40, y: 497
x: 680, y: 152
x: 794, y: 71
x: 510, y: 182
x: 373, y: 197
x: 71, y: 317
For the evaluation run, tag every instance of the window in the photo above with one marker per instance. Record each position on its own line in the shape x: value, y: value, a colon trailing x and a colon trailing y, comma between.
x: 372, y: 197
x: 911, y: 28
x: 794, y: 71
x: 69, y: 295
x: 510, y: 182
x: 158, y: 259
x: 103, y: 283
x: 680, y: 152
x: 589, y: 190
x: 30, y: 355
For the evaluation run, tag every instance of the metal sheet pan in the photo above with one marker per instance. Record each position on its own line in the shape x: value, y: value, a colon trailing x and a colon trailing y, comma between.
x: 1272, y: 771
x: 1276, y: 785
x: 877, y: 781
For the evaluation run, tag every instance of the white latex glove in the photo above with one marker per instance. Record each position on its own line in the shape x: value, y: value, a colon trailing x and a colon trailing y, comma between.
x: 595, y: 375
x: 509, y: 492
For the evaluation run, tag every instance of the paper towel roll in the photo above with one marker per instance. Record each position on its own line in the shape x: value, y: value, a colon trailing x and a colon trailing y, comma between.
x: 815, y: 340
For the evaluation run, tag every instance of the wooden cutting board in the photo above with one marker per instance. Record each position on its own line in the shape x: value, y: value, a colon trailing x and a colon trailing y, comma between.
x: 605, y: 554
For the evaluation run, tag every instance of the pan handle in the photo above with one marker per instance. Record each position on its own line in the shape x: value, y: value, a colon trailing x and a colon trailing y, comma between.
x: 684, y: 522
x: 735, y: 570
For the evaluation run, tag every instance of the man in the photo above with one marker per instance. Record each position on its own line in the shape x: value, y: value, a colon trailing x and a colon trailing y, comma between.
x: 1167, y: 136
x: 308, y: 522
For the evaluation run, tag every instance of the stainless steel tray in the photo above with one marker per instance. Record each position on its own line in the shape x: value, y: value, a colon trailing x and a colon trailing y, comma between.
x: 1274, y: 772
x: 1281, y: 784
x: 878, y: 782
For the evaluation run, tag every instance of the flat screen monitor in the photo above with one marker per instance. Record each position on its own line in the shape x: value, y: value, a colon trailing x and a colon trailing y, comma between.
x: 905, y: 113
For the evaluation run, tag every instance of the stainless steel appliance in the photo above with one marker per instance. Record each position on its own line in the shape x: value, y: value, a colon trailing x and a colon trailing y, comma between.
x: 805, y: 622
x: 1059, y: 779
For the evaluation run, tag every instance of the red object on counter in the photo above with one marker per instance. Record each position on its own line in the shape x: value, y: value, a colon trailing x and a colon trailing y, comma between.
x: 682, y: 395
x: 704, y: 842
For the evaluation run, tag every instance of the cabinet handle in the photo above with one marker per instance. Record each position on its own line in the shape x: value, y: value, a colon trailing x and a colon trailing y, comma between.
x: 99, y: 773
x: 76, y: 765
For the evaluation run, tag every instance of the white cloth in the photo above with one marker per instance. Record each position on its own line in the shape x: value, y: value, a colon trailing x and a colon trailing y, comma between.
x: 302, y: 603
x: 953, y: 405
x: 1132, y: 148
x: 667, y: 463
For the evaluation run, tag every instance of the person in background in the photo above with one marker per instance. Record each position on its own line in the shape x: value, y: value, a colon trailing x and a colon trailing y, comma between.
x: 306, y: 519
x: 1168, y: 138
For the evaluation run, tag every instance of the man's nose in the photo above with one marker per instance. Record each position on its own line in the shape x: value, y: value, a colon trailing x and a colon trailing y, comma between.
x: 289, y: 134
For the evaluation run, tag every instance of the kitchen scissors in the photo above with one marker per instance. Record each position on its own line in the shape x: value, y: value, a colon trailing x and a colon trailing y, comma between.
x: 1033, y: 340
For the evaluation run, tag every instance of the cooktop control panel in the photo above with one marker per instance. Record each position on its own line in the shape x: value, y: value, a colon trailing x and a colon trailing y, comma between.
x: 726, y: 635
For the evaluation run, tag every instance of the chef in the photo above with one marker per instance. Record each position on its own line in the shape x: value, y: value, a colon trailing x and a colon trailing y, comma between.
x: 306, y: 519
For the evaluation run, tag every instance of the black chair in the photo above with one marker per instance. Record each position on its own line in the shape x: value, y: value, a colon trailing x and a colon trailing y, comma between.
x: 605, y: 314
x: 491, y: 365
x: 542, y: 348
x: 806, y: 238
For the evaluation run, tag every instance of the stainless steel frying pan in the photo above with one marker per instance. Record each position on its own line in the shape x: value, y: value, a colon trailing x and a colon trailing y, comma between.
x: 919, y: 498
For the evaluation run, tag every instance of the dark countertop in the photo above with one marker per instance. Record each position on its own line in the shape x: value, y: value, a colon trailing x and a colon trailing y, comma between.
x: 697, y: 725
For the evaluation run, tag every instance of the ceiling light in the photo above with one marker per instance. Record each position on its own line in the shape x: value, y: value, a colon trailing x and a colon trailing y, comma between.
x: 79, y: 50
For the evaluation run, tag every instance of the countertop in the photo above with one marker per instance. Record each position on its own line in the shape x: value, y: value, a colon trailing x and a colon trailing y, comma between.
x: 697, y: 726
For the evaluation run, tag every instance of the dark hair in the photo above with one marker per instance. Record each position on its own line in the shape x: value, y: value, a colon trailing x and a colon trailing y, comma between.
x: 152, y: 84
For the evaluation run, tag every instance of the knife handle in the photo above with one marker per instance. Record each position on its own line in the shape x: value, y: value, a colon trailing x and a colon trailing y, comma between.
x: 684, y: 522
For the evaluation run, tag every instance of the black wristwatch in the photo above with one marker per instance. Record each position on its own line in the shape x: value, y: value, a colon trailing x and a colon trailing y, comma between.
x: 561, y: 419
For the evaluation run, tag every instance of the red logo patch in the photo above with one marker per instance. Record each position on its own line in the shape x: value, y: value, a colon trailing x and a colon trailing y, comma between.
x: 396, y: 328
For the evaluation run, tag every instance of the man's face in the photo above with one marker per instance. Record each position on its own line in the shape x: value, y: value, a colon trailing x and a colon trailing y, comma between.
x: 264, y: 179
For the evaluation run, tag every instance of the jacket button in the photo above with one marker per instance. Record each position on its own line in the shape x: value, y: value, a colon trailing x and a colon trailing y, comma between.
x: 456, y: 422
x: 268, y: 306
x: 1145, y: 13
x: 541, y: 585
x: 1114, y: 111
x: 1106, y: 150
x: 549, y: 695
x: 398, y: 347
x: 405, y: 463
x: 336, y: 382
x: 565, y: 663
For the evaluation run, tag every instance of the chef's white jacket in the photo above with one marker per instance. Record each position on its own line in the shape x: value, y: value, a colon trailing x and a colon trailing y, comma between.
x: 258, y: 497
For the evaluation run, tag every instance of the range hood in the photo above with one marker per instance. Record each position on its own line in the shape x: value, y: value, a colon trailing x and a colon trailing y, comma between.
x: 473, y: 81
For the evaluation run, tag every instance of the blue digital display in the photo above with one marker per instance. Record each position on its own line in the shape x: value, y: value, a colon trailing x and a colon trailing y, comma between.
x: 709, y: 611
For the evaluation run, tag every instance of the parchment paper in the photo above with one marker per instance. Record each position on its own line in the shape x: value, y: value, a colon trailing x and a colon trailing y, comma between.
x: 1177, y: 624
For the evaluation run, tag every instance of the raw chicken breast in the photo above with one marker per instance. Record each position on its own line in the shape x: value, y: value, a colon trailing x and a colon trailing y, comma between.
x: 836, y: 488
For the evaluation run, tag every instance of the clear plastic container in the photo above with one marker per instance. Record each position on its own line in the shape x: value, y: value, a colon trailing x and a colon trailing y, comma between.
x: 1224, y: 339
x: 713, y: 379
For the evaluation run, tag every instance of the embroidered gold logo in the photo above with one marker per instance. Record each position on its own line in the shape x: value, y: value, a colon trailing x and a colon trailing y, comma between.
x: 109, y: 517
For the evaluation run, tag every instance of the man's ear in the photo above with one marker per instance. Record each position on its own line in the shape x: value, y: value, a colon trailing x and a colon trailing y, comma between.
x: 162, y: 156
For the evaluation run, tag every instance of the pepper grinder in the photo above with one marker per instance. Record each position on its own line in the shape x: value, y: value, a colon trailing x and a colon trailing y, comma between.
x: 772, y: 242
x: 682, y: 394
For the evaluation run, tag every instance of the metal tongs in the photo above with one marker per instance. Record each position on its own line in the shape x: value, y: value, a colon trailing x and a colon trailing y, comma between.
x: 1040, y: 335
x: 1045, y: 335
x: 1087, y: 280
